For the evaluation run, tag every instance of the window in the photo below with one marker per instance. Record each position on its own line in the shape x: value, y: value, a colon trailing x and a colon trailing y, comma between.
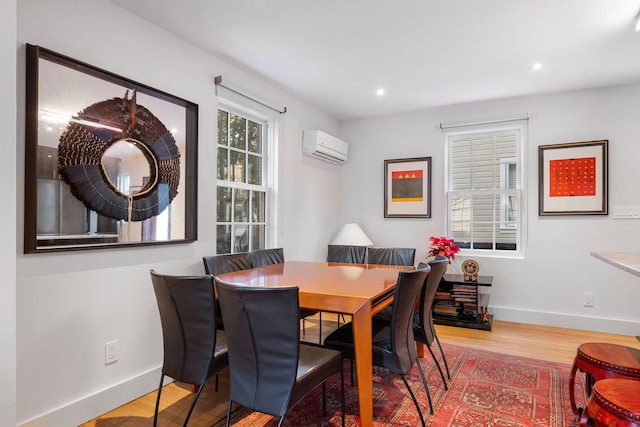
x: 243, y: 181
x: 484, y: 190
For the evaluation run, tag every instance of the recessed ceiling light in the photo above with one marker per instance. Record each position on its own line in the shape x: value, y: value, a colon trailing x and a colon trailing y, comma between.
x: 380, y: 91
x: 537, y: 66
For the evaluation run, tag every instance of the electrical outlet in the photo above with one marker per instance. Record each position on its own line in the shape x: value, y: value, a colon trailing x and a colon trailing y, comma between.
x: 588, y: 299
x: 626, y: 212
x: 111, y: 352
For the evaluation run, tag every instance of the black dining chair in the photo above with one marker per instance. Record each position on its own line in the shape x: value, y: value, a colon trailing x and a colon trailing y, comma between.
x: 393, y: 344
x: 423, y: 330
x: 194, y: 350
x: 347, y: 254
x: 270, y: 370
x: 264, y: 257
x: 225, y: 263
x: 391, y: 256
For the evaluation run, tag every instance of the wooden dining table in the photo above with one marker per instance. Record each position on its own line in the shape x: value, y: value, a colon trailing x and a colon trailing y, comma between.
x: 360, y: 290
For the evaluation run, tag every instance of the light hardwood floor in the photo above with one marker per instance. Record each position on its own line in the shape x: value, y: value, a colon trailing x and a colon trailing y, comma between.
x: 539, y: 342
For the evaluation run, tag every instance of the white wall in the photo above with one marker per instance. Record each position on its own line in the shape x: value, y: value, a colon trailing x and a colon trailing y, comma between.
x: 8, y: 215
x: 547, y: 286
x: 70, y: 304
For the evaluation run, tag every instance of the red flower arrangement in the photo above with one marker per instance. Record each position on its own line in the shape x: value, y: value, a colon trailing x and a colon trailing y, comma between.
x: 443, y: 247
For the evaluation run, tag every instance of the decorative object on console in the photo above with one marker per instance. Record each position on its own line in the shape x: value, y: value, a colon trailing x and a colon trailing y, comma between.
x: 407, y: 188
x: 441, y: 246
x: 470, y: 270
x: 573, y: 178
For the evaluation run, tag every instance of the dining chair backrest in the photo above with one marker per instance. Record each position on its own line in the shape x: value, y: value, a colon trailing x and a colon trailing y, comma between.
x: 263, y: 336
x: 424, y: 330
x: 227, y: 263
x: 402, y: 351
x: 391, y: 256
x: 263, y: 257
x: 188, y: 317
x: 346, y: 254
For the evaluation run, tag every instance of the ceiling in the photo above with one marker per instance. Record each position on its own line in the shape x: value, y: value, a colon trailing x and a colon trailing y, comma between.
x: 335, y: 54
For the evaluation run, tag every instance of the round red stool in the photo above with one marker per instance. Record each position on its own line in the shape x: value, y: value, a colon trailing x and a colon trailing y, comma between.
x: 613, y: 402
x: 602, y: 360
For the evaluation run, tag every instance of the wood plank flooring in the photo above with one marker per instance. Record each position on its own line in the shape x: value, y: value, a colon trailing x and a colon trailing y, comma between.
x: 539, y: 342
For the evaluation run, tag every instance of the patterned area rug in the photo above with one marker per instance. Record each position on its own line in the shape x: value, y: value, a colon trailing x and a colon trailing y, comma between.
x: 486, y: 390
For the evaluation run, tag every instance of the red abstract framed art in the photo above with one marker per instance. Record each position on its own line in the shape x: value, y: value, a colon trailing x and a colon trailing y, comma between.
x: 407, y: 188
x: 573, y: 178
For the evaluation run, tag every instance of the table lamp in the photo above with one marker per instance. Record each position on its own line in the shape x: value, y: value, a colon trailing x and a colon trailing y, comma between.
x: 352, y: 235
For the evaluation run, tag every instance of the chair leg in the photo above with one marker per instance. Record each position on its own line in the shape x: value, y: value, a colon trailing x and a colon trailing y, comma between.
x: 193, y: 405
x: 324, y: 399
x: 155, y: 414
x: 281, y: 419
x: 351, y: 372
x: 426, y: 386
x: 439, y: 368
x: 444, y: 359
x: 217, y: 383
x: 228, y: 414
x: 415, y: 401
x: 320, y: 328
x: 342, y: 391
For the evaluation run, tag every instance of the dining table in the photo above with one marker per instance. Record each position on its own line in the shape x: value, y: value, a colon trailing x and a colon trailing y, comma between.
x: 359, y: 290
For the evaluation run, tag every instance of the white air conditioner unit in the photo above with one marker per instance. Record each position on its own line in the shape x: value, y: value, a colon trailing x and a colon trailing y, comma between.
x: 321, y: 145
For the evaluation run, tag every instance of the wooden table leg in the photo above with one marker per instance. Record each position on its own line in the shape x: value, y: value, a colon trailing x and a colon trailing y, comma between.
x: 420, y: 349
x: 362, y: 342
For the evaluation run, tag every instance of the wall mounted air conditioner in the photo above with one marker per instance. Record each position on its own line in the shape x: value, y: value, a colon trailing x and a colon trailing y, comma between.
x: 321, y: 145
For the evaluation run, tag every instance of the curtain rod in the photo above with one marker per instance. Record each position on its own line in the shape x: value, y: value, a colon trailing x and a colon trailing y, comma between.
x: 485, y: 122
x: 218, y: 81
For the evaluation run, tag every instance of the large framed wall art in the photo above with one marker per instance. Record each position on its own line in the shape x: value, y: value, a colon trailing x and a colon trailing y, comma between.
x: 108, y: 162
x: 407, y: 188
x: 573, y: 178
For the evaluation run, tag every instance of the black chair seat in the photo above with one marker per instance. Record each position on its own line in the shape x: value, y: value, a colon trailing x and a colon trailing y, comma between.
x: 315, y: 364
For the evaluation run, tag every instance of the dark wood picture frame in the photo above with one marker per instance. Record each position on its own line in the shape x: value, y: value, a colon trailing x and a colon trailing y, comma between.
x: 407, y: 188
x: 573, y: 178
x: 75, y: 126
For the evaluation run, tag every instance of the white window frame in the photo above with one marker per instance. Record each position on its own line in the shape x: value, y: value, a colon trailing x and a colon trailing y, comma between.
x: 506, y: 226
x: 271, y: 167
x: 521, y: 220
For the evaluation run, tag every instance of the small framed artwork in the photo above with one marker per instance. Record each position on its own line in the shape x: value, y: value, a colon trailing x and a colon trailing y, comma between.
x: 573, y: 178
x: 407, y: 188
x: 108, y: 162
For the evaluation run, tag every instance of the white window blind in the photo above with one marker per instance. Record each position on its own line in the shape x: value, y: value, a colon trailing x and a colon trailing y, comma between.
x: 484, y: 190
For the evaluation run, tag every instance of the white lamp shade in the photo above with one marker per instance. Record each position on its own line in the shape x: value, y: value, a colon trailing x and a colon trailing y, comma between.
x: 352, y: 235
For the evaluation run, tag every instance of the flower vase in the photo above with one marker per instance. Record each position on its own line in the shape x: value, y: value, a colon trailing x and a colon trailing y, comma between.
x: 455, y: 266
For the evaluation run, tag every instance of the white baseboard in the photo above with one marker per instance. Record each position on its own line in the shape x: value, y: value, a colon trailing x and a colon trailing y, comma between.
x: 91, y: 406
x: 562, y: 320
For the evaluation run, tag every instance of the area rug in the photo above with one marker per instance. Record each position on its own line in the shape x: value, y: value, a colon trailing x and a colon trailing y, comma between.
x: 486, y: 390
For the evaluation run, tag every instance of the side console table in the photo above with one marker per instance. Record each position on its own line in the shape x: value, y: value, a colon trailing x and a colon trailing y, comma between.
x: 460, y: 303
